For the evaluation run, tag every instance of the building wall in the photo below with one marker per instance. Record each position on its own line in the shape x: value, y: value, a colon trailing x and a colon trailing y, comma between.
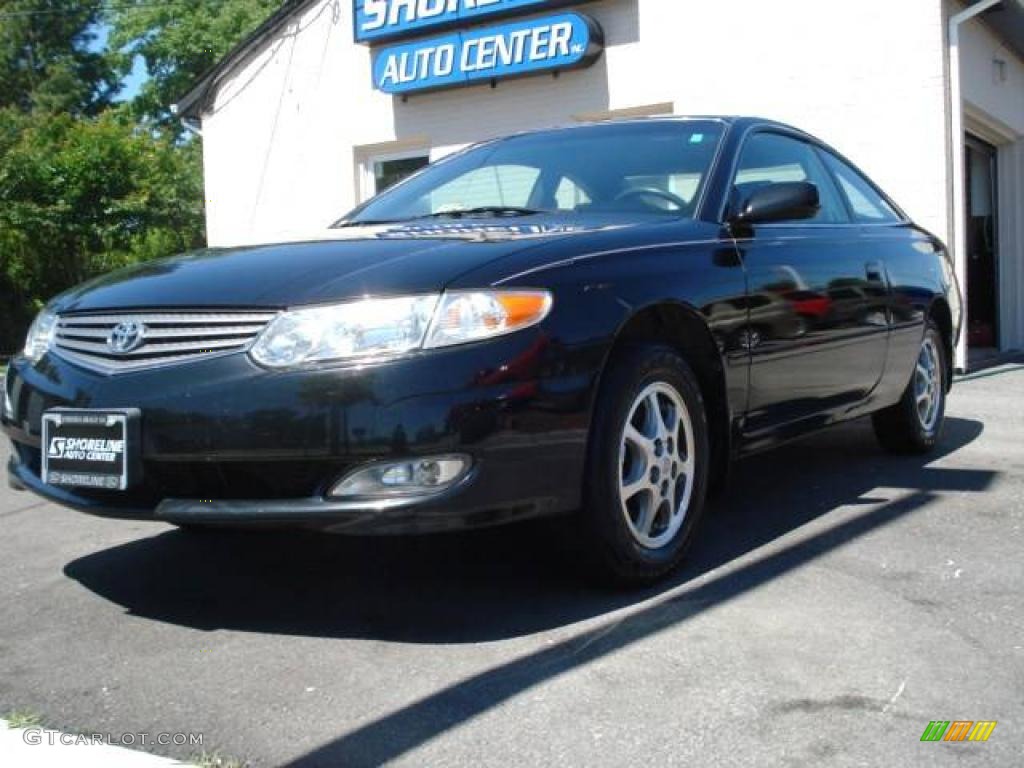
x: 1011, y: 240
x: 997, y: 91
x: 288, y: 130
x: 993, y: 92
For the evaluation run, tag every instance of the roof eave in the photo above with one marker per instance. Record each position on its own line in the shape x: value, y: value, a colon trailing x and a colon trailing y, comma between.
x: 192, y: 104
x: 1006, y: 20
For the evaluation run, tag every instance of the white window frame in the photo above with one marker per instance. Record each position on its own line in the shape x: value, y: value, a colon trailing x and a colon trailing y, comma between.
x: 367, y: 178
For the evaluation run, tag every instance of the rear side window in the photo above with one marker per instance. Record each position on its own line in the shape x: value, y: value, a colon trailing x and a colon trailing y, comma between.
x: 771, y: 158
x: 865, y: 202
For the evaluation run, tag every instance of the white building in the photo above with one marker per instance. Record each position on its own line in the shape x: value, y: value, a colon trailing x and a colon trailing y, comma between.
x: 919, y: 93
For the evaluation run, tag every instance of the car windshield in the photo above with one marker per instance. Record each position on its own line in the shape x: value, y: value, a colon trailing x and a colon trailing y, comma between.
x: 657, y: 167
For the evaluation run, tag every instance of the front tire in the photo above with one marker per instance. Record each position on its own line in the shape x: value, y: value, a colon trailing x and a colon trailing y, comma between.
x: 647, y: 467
x: 914, y: 424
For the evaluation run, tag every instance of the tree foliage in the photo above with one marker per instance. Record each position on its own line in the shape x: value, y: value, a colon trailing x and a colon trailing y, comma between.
x: 47, y: 60
x: 179, y: 42
x: 87, y: 185
x: 82, y: 197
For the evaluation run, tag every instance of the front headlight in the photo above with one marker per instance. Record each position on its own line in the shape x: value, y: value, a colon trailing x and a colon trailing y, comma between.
x: 40, y: 335
x: 380, y: 327
x: 357, y: 329
x: 471, y: 315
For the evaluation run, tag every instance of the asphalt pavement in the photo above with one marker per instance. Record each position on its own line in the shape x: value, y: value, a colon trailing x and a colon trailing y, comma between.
x: 836, y: 602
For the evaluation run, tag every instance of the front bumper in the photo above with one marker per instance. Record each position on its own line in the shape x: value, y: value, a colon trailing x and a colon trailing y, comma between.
x: 226, y: 442
x: 453, y: 509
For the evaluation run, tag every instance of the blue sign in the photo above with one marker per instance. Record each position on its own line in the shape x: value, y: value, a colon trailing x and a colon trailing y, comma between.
x: 377, y: 20
x: 561, y: 41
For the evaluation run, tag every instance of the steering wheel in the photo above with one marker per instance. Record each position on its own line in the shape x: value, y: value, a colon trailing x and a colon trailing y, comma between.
x: 641, y: 192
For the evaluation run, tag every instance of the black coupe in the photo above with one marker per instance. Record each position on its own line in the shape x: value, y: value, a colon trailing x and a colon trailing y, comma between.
x: 592, y: 320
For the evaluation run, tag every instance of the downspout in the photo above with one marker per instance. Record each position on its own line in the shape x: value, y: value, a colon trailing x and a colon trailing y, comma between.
x: 959, y: 167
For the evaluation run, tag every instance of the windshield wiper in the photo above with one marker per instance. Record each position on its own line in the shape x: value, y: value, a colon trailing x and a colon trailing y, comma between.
x: 485, y: 210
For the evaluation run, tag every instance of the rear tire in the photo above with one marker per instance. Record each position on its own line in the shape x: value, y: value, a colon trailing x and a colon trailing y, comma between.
x: 914, y: 424
x: 647, y: 466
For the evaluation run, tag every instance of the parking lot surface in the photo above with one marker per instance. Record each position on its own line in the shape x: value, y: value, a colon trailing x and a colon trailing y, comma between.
x: 837, y: 601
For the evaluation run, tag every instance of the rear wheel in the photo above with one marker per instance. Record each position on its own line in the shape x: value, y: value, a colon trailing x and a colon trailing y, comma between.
x: 648, y: 465
x: 915, y: 423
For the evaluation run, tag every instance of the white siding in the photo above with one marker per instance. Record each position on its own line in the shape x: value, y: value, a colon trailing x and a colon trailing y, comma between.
x: 283, y: 138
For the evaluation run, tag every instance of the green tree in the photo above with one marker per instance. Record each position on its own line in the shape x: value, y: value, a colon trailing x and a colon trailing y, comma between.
x: 179, y: 41
x: 80, y: 197
x: 87, y: 186
x: 46, y: 57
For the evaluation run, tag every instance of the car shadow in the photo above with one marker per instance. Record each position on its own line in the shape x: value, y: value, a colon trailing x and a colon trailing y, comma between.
x: 487, y: 585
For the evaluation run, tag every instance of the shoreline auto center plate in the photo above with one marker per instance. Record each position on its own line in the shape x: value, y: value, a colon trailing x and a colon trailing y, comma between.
x: 90, y: 448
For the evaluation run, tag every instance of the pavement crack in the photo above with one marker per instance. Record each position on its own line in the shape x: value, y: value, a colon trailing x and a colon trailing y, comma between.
x: 899, y: 692
x: 17, y: 510
x: 597, y: 635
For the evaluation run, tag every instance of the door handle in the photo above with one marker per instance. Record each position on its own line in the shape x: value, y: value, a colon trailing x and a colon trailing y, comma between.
x: 881, y: 313
x: 875, y: 271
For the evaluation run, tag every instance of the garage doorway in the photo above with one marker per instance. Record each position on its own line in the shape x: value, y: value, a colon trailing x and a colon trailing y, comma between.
x: 982, y: 229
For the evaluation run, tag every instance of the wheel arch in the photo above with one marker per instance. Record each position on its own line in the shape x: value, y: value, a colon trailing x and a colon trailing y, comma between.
x: 682, y: 327
x: 939, y: 312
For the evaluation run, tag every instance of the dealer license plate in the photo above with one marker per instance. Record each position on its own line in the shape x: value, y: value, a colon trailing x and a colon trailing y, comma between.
x: 90, y: 448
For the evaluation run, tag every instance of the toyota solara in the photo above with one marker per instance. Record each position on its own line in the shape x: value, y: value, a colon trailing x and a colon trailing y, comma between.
x: 591, y: 321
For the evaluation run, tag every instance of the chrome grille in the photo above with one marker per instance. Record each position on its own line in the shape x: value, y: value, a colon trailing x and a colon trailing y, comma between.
x: 166, y: 337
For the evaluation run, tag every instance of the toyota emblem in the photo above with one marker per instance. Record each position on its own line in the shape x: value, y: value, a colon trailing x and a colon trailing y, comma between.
x: 126, y: 336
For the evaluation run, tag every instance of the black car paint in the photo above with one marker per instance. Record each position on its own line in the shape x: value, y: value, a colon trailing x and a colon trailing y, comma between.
x: 225, y: 440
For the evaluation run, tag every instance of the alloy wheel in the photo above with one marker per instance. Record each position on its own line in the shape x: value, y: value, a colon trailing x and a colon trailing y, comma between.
x: 928, y: 385
x: 656, y: 465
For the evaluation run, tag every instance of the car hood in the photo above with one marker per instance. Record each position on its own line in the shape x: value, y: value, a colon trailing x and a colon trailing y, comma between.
x: 409, y: 258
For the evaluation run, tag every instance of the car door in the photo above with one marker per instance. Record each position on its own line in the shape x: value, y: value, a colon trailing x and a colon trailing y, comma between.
x: 900, y: 245
x: 817, y: 328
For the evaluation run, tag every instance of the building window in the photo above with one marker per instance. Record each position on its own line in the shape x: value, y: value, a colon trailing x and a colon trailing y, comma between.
x: 388, y: 172
x: 379, y: 171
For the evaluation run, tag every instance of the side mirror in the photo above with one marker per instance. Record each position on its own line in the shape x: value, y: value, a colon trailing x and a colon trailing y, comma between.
x: 784, y: 201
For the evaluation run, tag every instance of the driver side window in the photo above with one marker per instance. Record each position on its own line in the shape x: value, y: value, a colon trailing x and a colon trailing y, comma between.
x: 771, y: 158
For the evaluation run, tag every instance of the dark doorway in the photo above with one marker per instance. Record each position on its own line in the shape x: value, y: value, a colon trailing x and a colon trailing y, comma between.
x: 982, y: 246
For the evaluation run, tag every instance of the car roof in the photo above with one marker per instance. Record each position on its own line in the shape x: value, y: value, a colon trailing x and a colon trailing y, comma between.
x: 741, y: 122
